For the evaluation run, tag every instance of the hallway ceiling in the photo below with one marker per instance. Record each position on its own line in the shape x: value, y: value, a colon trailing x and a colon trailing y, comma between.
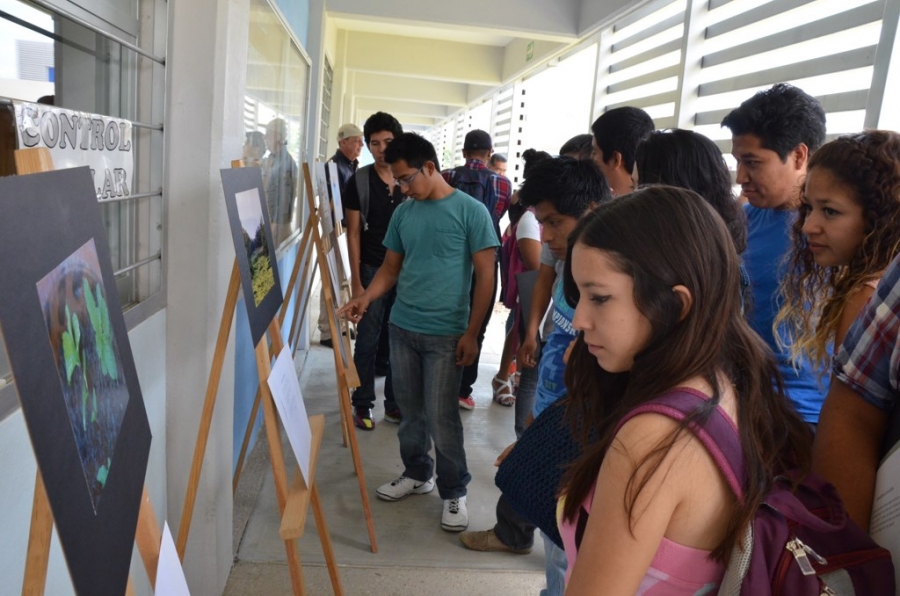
x: 424, y: 60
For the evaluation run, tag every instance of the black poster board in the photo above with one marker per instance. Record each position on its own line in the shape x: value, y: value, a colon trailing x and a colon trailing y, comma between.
x: 245, y: 199
x: 74, y: 371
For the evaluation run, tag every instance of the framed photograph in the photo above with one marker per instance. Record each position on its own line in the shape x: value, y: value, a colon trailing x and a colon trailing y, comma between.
x: 73, y: 368
x: 254, y: 246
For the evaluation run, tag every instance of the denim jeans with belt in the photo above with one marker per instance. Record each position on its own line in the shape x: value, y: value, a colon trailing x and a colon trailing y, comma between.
x: 368, y: 331
x: 426, y: 383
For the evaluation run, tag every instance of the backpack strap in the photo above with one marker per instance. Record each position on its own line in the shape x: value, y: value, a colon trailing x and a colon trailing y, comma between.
x: 362, y: 190
x: 718, y: 434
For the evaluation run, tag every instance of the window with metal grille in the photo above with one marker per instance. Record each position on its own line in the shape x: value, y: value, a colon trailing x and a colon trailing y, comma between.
x: 62, y: 45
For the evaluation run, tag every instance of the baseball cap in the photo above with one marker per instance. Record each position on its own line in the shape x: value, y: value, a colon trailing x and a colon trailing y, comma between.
x: 349, y: 130
x: 477, y: 140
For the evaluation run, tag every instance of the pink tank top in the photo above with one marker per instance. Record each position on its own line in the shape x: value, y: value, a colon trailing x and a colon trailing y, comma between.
x: 676, y: 570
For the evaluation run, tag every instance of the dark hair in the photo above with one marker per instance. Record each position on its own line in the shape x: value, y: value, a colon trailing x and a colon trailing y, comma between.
x: 579, y: 147
x: 256, y: 139
x: 498, y: 157
x: 381, y: 121
x: 782, y: 117
x: 686, y: 159
x: 664, y: 236
x: 531, y: 158
x: 571, y: 185
x: 415, y: 150
x: 622, y: 129
x: 868, y: 164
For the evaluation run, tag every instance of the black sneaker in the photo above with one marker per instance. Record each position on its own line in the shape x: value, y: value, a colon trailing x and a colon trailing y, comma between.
x: 393, y: 415
x: 326, y: 342
x: 362, y: 418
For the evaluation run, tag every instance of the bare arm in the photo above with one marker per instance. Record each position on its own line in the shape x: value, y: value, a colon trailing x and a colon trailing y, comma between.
x: 616, y: 550
x: 852, y: 308
x: 531, y: 253
x: 354, y: 236
x: 384, y: 280
x: 483, y: 262
x: 845, y: 451
x: 540, y: 300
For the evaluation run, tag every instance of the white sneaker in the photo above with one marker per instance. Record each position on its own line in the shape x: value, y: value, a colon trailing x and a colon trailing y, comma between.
x: 456, y: 516
x: 403, y: 487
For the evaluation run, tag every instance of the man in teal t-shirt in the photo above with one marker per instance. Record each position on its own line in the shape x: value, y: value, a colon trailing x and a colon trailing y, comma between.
x: 434, y: 243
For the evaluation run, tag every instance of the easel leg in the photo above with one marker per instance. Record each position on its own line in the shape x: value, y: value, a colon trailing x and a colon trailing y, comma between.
x: 293, y: 558
x: 38, y: 541
x: 343, y: 396
x: 148, y: 537
x: 246, y: 443
x: 325, y: 539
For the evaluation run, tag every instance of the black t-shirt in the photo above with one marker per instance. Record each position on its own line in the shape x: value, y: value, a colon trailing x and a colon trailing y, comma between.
x: 381, y: 207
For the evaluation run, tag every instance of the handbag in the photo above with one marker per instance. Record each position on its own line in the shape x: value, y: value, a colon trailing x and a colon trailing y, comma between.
x: 530, y: 475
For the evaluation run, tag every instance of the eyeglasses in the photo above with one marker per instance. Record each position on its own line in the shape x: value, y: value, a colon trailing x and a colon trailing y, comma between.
x: 408, y: 180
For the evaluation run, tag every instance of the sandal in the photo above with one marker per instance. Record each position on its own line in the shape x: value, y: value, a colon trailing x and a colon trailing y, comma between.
x: 504, y: 394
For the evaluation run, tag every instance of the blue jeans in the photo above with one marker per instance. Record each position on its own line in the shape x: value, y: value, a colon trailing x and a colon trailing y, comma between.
x: 426, y: 384
x: 368, y: 331
x: 555, y: 564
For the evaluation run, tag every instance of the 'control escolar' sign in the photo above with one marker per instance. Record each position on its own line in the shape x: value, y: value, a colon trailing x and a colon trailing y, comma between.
x: 81, y: 139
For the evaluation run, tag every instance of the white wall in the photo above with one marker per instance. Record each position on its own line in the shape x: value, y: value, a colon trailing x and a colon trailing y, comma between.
x: 18, y: 468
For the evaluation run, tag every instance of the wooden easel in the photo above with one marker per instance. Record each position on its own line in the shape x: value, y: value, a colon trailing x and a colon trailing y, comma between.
x: 147, y: 535
x: 293, y: 501
x: 345, y: 373
x: 212, y: 390
x: 303, y: 262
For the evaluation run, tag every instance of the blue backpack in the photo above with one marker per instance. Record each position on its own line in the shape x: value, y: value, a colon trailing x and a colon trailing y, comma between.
x: 478, y: 184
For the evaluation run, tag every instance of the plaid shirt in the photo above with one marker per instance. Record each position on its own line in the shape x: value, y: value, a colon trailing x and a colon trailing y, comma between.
x: 869, y: 358
x: 502, y: 185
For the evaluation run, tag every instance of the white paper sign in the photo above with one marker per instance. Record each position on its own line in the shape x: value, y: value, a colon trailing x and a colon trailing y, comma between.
x: 885, y: 525
x: 81, y: 139
x: 331, y: 259
x: 336, y: 198
x: 325, y: 216
x: 285, y: 389
x: 345, y: 255
x: 170, y: 579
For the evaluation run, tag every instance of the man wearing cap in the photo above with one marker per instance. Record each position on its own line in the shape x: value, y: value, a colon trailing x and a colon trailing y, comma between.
x: 346, y: 157
x: 495, y: 192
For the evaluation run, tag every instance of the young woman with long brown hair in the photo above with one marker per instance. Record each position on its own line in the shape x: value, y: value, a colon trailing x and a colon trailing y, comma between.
x: 846, y: 234
x: 645, y: 510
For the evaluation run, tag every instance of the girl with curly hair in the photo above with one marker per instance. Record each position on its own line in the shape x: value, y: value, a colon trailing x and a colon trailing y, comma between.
x: 847, y: 232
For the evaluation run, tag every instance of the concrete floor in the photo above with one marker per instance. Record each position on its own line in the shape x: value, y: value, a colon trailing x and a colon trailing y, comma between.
x: 415, y: 556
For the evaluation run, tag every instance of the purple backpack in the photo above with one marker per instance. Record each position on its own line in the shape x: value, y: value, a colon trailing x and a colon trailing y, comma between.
x: 800, y: 542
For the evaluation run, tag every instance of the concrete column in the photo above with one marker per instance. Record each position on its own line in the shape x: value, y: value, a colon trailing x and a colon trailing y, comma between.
x: 206, y: 69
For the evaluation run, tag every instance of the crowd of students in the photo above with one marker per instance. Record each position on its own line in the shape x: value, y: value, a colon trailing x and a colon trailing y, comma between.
x: 779, y: 307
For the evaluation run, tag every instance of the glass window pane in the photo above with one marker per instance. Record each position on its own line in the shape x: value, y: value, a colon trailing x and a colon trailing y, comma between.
x: 275, y: 113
